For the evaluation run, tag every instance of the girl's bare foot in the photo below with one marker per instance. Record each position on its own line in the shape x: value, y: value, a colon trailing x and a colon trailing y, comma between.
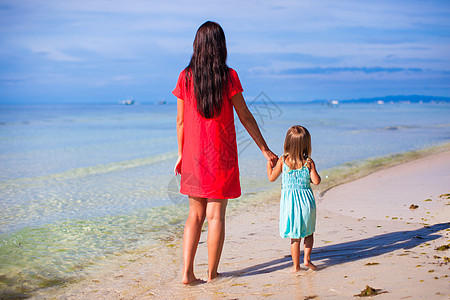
x: 310, y: 265
x: 295, y: 269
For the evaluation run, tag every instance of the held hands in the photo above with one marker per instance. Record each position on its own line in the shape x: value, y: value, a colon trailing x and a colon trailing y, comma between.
x: 274, y: 170
x: 272, y: 158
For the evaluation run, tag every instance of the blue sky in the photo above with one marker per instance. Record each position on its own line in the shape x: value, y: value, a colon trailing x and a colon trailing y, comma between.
x: 107, y: 51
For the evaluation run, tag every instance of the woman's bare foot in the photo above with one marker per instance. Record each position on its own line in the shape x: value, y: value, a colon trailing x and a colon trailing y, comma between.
x: 310, y: 265
x: 212, y: 276
x: 295, y: 269
x: 189, y: 278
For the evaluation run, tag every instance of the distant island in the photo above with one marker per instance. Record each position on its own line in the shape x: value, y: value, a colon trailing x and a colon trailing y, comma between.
x: 393, y: 99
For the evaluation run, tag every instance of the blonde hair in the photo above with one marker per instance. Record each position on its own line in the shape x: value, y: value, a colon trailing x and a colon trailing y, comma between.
x: 297, y: 145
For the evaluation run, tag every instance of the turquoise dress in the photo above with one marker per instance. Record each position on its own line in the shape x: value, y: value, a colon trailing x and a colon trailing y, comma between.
x: 297, y: 204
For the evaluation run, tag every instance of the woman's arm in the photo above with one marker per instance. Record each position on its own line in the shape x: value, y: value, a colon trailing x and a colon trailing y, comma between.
x: 274, y: 173
x: 249, y: 122
x: 180, y: 134
x: 315, y: 177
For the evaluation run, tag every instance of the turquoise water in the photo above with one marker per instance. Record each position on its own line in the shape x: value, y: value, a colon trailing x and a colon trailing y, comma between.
x: 80, y: 183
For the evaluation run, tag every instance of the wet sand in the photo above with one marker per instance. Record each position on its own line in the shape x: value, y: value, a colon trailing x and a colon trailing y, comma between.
x: 366, y: 234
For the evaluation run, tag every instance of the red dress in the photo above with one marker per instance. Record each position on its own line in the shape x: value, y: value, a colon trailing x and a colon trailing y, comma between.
x: 209, y: 167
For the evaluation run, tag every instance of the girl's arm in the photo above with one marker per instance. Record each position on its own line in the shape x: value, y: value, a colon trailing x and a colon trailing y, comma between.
x: 274, y: 173
x: 249, y: 122
x: 315, y: 177
x: 180, y: 134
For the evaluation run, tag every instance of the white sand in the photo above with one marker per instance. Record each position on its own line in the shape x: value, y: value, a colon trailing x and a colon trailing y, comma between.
x: 364, y: 221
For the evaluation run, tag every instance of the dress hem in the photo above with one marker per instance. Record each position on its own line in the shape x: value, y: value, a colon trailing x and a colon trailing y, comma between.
x: 301, y: 237
x: 210, y: 196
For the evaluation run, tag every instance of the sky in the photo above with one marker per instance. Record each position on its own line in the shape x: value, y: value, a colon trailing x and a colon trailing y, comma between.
x: 108, y: 51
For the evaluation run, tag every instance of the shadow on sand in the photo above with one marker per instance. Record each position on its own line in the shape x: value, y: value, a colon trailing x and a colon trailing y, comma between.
x: 351, y: 251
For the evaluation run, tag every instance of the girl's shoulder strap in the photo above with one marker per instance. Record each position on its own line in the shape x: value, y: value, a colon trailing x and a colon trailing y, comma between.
x: 285, y: 166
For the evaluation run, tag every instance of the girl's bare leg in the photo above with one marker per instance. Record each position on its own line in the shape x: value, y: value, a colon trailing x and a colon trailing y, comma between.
x: 309, y: 241
x: 192, y: 231
x: 295, y: 253
x: 215, y: 214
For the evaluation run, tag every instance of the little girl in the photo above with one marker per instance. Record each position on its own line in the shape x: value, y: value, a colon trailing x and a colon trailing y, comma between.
x: 297, y: 204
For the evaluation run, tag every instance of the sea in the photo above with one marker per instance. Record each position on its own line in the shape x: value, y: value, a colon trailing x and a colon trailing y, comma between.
x: 81, y: 184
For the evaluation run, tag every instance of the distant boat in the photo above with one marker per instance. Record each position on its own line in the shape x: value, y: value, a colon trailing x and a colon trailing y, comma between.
x: 333, y: 103
x: 162, y: 102
x: 380, y: 102
x: 127, y: 102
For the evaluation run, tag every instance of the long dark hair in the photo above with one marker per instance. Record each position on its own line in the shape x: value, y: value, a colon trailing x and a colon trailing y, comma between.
x: 208, y: 69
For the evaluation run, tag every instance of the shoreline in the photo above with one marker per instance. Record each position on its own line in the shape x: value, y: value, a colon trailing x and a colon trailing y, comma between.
x: 355, y: 170
x: 256, y: 262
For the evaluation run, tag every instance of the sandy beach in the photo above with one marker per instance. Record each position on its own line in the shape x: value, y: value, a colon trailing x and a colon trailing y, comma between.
x: 382, y: 230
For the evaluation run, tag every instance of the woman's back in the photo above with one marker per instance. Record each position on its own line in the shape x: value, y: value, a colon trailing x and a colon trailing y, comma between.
x: 210, y: 162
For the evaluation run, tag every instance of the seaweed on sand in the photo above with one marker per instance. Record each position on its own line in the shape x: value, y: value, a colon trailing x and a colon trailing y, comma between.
x: 443, y: 247
x: 370, y: 291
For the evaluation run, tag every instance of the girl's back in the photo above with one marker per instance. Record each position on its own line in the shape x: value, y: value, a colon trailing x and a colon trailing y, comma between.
x: 295, y: 178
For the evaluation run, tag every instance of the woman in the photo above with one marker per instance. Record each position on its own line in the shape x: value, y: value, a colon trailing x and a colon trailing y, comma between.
x: 207, y: 91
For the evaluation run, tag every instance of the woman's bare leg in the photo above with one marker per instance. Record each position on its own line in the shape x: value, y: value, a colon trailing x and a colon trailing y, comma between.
x: 215, y: 213
x: 309, y: 241
x: 192, y: 231
x: 295, y: 253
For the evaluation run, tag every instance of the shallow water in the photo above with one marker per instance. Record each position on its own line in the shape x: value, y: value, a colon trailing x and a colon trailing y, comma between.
x: 83, y: 183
